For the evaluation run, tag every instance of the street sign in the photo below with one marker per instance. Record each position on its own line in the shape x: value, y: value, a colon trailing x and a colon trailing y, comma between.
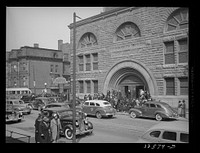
x: 60, y: 80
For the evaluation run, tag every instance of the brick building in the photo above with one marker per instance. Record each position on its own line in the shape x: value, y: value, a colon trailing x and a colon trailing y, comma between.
x: 133, y: 48
x: 36, y: 68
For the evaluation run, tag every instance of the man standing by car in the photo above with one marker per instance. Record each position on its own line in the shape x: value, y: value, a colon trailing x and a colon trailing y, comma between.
x: 55, y: 126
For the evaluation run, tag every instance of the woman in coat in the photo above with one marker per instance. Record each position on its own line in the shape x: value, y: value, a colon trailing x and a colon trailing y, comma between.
x: 55, y: 128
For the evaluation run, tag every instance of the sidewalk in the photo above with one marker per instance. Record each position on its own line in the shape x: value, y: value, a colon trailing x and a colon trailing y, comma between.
x: 17, y: 138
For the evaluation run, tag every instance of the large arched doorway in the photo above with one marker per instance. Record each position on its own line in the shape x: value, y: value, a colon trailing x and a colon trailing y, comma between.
x: 129, y: 77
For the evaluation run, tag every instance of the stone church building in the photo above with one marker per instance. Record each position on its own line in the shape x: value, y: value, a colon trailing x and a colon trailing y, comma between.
x: 133, y: 48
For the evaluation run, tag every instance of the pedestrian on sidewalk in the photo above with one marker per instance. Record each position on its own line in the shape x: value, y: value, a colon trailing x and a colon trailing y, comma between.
x: 183, y: 109
x: 180, y: 108
x: 55, y: 128
x: 44, y: 129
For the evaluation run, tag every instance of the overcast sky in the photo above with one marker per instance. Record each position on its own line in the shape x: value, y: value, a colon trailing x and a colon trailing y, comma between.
x: 43, y: 25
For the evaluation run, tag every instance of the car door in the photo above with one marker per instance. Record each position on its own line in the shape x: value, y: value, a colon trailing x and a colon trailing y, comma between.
x: 152, y: 109
x: 144, y: 109
x: 92, y: 108
x: 86, y: 108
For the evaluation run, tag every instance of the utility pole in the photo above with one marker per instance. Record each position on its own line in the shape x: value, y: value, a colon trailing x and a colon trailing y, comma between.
x: 74, y: 78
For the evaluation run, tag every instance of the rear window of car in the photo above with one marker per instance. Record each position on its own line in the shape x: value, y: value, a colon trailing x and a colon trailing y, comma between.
x: 184, y: 137
x: 155, y: 134
x: 106, y: 103
x: 168, y: 135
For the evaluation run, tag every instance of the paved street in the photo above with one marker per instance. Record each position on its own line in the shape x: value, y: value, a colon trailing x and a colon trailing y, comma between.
x: 120, y: 129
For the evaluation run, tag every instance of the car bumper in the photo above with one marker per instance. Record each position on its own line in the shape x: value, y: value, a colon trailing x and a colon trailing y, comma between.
x: 109, y: 114
x: 78, y: 132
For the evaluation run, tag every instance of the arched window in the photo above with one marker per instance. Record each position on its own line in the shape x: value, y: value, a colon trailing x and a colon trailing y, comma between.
x: 177, y: 20
x: 87, y: 40
x: 126, y: 31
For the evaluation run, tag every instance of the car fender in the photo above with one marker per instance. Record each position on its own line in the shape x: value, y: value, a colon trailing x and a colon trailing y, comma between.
x: 137, y: 112
x: 161, y: 113
x: 99, y: 110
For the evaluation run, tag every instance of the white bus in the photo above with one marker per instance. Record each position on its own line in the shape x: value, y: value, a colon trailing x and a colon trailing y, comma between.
x: 17, y: 92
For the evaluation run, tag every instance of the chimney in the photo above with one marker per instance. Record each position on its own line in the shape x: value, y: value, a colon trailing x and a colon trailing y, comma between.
x: 60, y: 42
x: 36, y: 45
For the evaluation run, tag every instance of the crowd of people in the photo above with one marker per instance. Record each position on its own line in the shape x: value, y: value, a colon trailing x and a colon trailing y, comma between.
x: 119, y: 102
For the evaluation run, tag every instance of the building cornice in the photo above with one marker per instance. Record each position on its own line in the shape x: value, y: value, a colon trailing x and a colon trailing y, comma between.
x: 102, y: 15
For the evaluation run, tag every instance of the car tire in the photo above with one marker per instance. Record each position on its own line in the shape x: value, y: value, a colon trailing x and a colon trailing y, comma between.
x: 98, y: 115
x: 68, y: 132
x: 133, y: 114
x: 158, y: 117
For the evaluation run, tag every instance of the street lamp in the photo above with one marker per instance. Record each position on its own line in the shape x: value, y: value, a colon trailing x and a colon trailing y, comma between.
x: 74, y: 78
x: 45, y: 87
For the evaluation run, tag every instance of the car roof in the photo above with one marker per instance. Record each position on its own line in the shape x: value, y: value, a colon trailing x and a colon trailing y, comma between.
x: 57, y: 104
x: 41, y: 98
x: 172, y: 125
x: 97, y: 101
x: 57, y: 109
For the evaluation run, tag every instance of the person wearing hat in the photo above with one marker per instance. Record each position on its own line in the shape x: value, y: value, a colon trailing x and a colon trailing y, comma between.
x: 55, y: 128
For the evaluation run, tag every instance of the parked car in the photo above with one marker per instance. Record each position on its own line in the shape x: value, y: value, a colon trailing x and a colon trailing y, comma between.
x: 83, y: 126
x: 23, y: 107
x: 39, y: 103
x: 154, y: 109
x: 78, y: 104
x: 57, y: 105
x: 167, y: 132
x: 98, y: 108
x: 13, y: 113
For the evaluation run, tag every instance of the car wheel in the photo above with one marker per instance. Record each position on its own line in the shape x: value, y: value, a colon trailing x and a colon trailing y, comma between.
x: 158, y: 117
x: 133, y: 115
x: 68, y: 133
x: 98, y: 115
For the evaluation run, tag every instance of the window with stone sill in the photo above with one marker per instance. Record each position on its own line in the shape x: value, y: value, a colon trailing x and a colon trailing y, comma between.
x: 177, y: 20
x: 169, y: 52
x: 87, y: 40
x: 183, y: 51
x: 127, y: 30
x: 81, y: 87
x: 170, y: 86
x: 183, y: 86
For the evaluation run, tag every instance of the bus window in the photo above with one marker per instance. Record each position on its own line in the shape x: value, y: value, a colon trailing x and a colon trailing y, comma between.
x: 18, y: 92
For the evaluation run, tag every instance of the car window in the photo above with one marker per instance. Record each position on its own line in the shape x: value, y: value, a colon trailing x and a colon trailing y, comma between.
x: 169, y: 135
x: 146, y: 105
x: 158, y: 106
x: 184, y: 137
x: 86, y: 103
x: 97, y: 104
x: 92, y: 104
x: 152, y: 105
x: 15, y: 102
x: 106, y: 103
x: 155, y: 134
x: 21, y: 102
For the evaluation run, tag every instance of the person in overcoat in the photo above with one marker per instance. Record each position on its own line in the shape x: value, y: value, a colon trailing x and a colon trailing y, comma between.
x: 55, y: 126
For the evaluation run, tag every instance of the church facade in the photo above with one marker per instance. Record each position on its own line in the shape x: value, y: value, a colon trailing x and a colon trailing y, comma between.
x: 132, y: 48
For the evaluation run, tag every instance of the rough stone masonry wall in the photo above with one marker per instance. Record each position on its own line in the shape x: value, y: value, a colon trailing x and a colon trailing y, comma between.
x: 147, y: 49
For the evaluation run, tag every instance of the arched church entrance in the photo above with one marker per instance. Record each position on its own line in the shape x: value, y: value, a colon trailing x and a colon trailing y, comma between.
x: 129, y: 77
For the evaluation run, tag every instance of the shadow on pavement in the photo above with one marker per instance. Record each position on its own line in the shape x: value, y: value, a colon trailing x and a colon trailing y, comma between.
x: 13, y: 140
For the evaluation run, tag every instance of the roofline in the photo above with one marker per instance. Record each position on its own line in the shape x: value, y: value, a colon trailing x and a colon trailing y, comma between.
x: 102, y: 16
